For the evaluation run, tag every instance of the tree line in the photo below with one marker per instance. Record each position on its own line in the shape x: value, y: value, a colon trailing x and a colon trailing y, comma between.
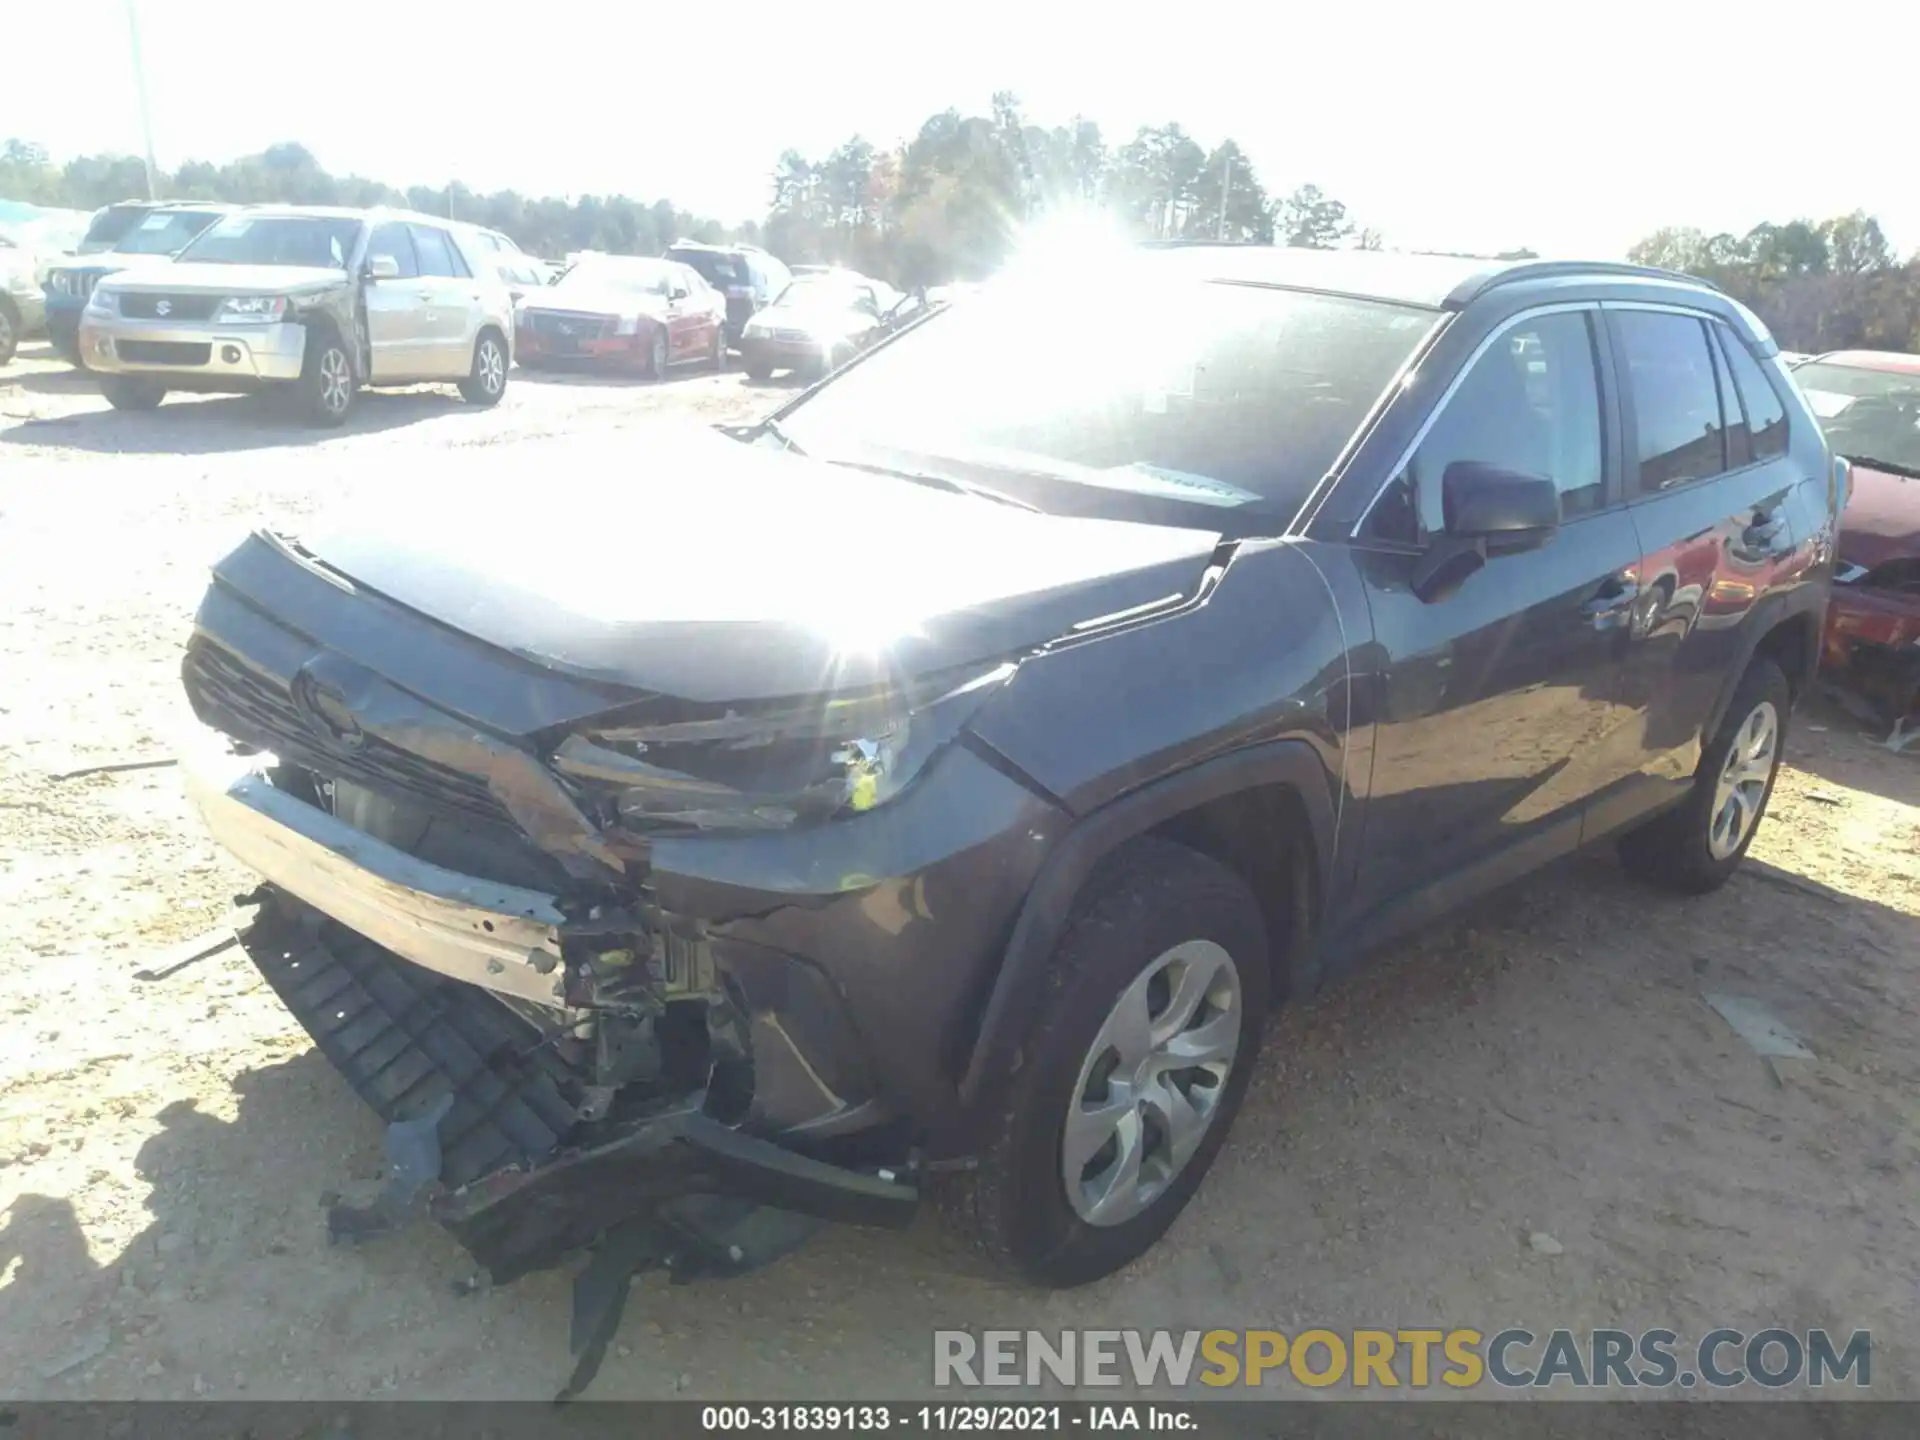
x: 948, y: 203
x: 1819, y: 285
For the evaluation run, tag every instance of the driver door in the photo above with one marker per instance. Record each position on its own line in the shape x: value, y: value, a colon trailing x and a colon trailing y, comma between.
x: 399, y: 309
x: 1499, y: 699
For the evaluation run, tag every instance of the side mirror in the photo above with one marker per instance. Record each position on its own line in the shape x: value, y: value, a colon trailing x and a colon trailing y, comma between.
x: 382, y: 267
x: 1488, y: 511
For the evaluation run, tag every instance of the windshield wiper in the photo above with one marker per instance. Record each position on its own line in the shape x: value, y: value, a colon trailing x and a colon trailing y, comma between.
x: 1891, y: 467
x: 770, y: 428
x: 944, y: 482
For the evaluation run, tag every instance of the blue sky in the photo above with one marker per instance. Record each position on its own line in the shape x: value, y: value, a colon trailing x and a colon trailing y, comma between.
x: 1474, y: 124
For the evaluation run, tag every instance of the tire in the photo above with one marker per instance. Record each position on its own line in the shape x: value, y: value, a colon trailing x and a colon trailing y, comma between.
x: 1150, y: 914
x: 657, y: 359
x: 759, y: 373
x: 9, y: 330
x: 486, y: 381
x: 1697, y: 847
x: 326, y: 384
x: 132, y: 392
x: 719, y: 350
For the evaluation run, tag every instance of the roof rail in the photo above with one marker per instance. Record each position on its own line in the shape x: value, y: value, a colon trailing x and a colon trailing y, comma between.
x: 1478, y: 285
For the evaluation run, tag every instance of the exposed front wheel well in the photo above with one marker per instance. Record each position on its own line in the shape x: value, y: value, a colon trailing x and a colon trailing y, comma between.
x: 1263, y: 835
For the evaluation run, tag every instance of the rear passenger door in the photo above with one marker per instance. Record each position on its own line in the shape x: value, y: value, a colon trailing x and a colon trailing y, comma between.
x: 453, y: 318
x: 1499, y: 711
x: 1710, y: 490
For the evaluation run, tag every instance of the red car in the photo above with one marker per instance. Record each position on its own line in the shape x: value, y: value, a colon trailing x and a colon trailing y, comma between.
x: 1868, y: 402
x: 626, y: 312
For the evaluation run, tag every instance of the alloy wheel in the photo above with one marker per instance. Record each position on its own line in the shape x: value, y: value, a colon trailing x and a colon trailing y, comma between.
x: 336, y: 380
x: 492, y: 367
x: 1742, y: 786
x: 1151, y: 1083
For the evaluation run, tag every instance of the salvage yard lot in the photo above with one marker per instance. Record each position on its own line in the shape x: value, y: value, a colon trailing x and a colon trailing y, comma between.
x: 1547, y: 1064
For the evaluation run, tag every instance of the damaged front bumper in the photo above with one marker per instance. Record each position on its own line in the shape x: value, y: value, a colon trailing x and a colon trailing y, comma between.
x: 440, y: 998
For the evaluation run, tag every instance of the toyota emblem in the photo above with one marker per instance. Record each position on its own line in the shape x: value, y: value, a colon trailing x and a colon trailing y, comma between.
x: 165, y: 307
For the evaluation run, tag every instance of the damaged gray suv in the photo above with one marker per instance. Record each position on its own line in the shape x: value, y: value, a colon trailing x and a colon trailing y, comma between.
x: 938, y: 794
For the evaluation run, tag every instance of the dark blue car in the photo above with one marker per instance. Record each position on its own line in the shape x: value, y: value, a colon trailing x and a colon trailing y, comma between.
x: 155, y: 237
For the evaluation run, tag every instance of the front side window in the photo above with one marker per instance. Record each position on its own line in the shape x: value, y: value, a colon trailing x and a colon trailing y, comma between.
x: 393, y: 241
x: 1676, y: 400
x: 1530, y: 404
x: 1230, y: 397
x: 436, y: 253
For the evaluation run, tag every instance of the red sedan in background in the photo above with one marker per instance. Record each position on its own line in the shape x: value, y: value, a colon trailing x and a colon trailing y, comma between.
x: 625, y: 312
x: 1868, y: 402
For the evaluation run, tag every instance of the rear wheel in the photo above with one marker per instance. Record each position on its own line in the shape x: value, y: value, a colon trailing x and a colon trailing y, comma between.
x: 132, y: 392
x: 326, y: 382
x: 1697, y: 847
x: 759, y: 371
x: 1137, y: 1057
x: 487, y: 381
x: 9, y: 330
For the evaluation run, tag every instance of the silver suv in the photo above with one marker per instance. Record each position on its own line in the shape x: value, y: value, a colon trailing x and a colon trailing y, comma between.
x: 320, y: 301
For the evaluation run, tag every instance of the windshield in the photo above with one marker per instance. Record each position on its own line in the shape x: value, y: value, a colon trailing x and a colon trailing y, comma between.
x: 635, y: 277
x: 164, y: 232
x: 1868, y: 415
x: 1230, y: 396
x: 822, y: 292
x: 325, y: 241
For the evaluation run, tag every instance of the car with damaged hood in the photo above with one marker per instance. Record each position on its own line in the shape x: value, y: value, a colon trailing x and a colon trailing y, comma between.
x: 821, y: 321
x: 930, y: 791
x: 1869, y: 403
x: 626, y: 312
x: 157, y: 235
x: 312, y: 303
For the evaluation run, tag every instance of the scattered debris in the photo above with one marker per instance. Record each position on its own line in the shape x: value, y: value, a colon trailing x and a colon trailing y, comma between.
x: 91, y: 1346
x: 189, y: 952
x: 1542, y: 1243
x: 1825, y: 797
x: 118, y: 767
x: 413, y: 1163
x: 1755, y: 1025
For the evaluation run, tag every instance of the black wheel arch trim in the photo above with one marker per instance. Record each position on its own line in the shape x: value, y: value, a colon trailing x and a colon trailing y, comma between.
x: 1805, y: 607
x: 1043, y: 916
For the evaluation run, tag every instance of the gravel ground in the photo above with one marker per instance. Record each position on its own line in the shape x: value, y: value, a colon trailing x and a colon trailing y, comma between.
x: 1545, y: 1065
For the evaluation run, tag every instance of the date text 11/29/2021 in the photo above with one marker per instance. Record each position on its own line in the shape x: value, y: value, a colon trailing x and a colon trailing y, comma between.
x: 910, y: 1419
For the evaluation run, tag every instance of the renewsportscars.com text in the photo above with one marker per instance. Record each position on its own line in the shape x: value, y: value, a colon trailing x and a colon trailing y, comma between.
x: 1513, y: 1358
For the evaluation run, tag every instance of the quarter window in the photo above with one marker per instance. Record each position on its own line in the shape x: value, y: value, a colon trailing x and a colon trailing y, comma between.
x: 1531, y: 403
x: 1766, y: 416
x: 392, y: 240
x: 1676, y: 402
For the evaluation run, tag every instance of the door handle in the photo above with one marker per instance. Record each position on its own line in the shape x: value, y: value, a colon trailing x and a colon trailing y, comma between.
x: 1614, y: 596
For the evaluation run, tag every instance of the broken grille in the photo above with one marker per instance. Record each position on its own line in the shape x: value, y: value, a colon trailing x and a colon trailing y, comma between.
x: 259, y: 710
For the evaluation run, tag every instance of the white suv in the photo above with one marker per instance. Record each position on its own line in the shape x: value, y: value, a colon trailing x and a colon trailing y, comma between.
x: 318, y: 300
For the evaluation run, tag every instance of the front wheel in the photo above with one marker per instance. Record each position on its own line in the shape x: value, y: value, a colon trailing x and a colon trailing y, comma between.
x: 326, y: 382
x: 1697, y: 847
x: 9, y: 330
x: 486, y: 382
x: 130, y: 392
x: 657, y: 361
x: 719, y: 349
x: 1137, y: 1057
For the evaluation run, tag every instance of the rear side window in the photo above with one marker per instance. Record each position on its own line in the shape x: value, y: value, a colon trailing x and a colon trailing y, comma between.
x: 393, y: 240
x: 1676, y: 401
x: 1531, y: 404
x: 1766, y: 416
x: 437, y: 256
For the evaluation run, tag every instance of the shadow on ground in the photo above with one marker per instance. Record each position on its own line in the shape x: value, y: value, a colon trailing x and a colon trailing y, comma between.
x: 227, y: 423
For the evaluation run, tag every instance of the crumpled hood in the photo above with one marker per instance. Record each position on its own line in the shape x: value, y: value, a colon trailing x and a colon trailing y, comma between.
x: 1882, y: 518
x: 676, y: 560
x: 178, y: 278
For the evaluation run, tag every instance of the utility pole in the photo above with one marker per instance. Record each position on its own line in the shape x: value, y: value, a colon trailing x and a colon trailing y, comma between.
x: 140, y: 90
x: 1226, y: 189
